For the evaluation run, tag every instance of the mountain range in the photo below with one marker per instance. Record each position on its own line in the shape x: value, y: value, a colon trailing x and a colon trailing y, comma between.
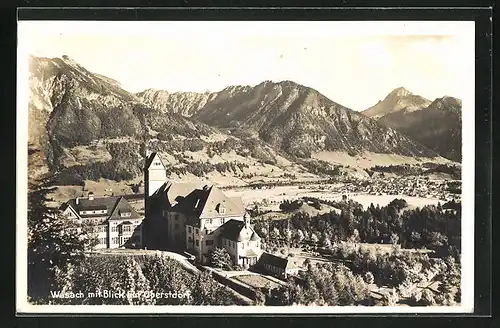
x: 435, y: 124
x: 87, y: 126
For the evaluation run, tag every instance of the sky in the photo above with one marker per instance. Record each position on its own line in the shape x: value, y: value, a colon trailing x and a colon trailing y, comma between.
x: 353, y: 63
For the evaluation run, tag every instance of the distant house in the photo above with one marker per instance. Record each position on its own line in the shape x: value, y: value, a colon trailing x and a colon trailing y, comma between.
x: 115, y: 222
x: 281, y: 267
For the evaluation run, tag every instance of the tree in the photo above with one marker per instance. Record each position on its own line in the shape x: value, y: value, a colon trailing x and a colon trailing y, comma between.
x: 206, y: 291
x: 54, y: 242
x: 220, y: 258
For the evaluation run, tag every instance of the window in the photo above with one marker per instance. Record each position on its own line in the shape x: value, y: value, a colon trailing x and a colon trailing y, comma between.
x: 222, y: 210
x: 176, y: 226
x: 125, y: 214
x: 114, y: 229
x: 222, y: 220
x: 243, y: 245
x: 190, y: 240
x: 126, y: 228
x: 197, y: 242
x: 176, y: 217
x: 115, y: 240
x: 209, y: 221
x: 189, y: 230
x: 197, y: 231
x: 103, y: 241
x: 209, y: 242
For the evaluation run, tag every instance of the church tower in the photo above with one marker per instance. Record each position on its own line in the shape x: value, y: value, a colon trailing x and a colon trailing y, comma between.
x: 155, y: 174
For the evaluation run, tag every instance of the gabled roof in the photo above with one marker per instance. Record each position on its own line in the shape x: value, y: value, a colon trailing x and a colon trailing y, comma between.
x: 235, y: 230
x: 113, y: 205
x: 122, y: 206
x: 208, y: 202
x: 150, y: 159
x: 277, y: 261
x: 174, y: 192
x: 216, y: 200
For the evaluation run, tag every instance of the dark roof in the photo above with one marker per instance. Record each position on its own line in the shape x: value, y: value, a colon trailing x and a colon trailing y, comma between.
x: 133, y: 196
x: 235, y: 230
x: 93, y: 207
x: 255, y: 237
x: 231, y: 229
x: 273, y: 260
x: 114, y: 205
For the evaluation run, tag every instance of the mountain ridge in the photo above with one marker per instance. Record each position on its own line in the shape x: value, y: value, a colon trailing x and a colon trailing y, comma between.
x: 71, y: 109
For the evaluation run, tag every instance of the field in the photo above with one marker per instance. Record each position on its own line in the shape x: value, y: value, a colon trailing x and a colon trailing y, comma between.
x: 367, y: 159
x: 274, y: 196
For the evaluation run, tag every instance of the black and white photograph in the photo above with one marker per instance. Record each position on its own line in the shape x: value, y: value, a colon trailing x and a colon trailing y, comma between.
x: 245, y: 167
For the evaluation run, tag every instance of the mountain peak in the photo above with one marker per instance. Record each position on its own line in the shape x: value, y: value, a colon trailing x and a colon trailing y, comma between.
x: 398, y: 99
x: 400, y: 92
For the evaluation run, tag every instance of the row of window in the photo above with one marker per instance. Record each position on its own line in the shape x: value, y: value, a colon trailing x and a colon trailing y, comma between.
x: 208, y: 242
x: 125, y: 228
x: 222, y: 221
x: 114, y: 240
x: 93, y: 212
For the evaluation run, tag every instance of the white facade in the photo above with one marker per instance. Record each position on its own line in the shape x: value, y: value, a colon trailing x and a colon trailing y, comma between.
x: 156, y: 176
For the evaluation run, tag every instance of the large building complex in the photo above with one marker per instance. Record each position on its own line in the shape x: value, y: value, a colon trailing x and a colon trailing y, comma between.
x: 116, y: 223
x: 196, y: 218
